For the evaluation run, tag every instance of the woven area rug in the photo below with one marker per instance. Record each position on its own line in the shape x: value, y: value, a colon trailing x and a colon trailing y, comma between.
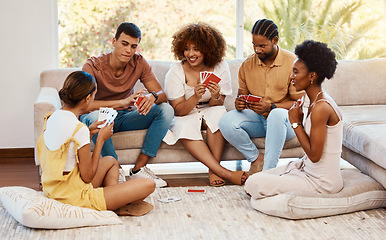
x: 220, y: 213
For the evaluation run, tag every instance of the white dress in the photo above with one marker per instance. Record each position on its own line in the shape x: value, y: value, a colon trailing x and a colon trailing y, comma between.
x: 189, y: 126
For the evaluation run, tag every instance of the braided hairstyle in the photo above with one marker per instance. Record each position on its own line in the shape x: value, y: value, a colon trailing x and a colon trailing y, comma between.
x: 318, y: 58
x: 77, y: 86
x: 266, y: 28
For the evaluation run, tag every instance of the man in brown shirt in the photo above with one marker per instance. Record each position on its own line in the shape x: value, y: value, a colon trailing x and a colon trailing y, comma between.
x: 265, y: 74
x: 116, y: 73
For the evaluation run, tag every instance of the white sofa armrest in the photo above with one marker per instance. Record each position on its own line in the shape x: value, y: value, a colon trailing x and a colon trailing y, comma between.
x: 47, y: 101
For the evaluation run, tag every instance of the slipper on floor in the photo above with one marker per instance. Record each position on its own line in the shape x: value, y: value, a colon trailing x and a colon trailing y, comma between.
x: 135, y: 209
x: 213, y: 178
x: 237, y: 177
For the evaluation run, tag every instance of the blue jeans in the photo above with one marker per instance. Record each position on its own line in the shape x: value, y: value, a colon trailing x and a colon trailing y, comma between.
x: 238, y: 127
x: 157, y: 121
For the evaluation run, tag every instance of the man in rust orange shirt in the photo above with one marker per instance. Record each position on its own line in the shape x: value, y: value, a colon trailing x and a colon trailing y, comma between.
x: 116, y: 73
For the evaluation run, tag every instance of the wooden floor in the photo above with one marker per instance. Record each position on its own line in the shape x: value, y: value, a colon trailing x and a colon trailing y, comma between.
x: 19, y: 172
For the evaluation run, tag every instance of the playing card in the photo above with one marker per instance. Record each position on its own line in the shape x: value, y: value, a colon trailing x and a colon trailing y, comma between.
x: 169, y: 199
x: 107, y: 114
x: 195, y: 190
x: 139, y: 99
x: 211, y: 77
x: 243, y: 96
x: 111, y: 116
x: 253, y: 98
x: 300, y: 101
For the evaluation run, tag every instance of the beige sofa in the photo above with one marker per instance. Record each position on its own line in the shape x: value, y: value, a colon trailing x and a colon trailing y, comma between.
x: 128, y: 144
x: 357, y: 87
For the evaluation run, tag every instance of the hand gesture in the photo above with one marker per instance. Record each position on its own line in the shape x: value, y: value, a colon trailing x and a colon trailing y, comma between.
x: 259, y: 107
x: 214, y: 89
x: 127, y: 102
x: 240, y: 104
x: 106, y: 132
x: 146, y: 104
x: 295, y: 114
x: 94, y: 127
x: 199, y: 90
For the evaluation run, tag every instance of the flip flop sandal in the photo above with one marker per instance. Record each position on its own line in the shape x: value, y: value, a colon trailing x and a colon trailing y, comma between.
x: 236, y: 177
x: 213, y: 178
x: 135, y: 209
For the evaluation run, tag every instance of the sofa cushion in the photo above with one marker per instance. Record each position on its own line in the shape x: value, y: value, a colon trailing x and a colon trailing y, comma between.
x: 358, y: 82
x: 364, y: 131
x: 134, y: 140
x: 34, y: 210
x: 360, y: 192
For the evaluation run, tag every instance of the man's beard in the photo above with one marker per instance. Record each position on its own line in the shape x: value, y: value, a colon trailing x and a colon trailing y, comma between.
x: 267, y: 55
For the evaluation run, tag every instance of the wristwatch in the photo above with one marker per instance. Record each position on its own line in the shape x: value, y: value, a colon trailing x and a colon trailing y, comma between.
x: 295, y: 125
x: 155, y: 95
x: 273, y: 106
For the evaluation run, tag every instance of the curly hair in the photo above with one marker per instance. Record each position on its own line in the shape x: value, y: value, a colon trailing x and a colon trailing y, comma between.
x: 318, y: 58
x: 76, y: 87
x: 207, y: 39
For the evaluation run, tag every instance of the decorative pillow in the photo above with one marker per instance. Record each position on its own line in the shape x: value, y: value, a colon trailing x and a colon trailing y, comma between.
x: 34, y: 210
x: 360, y: 192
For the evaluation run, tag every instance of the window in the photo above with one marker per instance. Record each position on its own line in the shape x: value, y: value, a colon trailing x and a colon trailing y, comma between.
x: 86, y: 27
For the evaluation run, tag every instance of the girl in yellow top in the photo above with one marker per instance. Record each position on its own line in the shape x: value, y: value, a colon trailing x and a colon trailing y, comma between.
x: 70, y: 173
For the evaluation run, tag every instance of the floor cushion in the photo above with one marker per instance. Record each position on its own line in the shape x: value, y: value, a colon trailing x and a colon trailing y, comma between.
x: 32, y: 209
x: 360, y: 192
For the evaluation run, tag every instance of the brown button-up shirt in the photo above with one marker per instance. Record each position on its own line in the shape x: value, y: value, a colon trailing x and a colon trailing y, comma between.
x: 272, y: 83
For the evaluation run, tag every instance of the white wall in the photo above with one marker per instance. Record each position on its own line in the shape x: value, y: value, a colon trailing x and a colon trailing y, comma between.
x: 28, y: 45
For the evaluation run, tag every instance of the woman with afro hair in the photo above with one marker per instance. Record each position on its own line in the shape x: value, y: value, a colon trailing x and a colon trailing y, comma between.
x: 320, y: 136
x: 200, y: 47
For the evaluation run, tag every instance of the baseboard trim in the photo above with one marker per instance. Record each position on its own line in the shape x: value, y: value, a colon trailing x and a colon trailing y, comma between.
x: 17, y: 153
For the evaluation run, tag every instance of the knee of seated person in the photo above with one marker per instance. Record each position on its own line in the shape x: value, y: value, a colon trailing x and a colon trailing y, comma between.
x: 226, y: 122
x: 89, y: 118
x: 166, y: 109
x: 148, y: 184
x: 278, y: 114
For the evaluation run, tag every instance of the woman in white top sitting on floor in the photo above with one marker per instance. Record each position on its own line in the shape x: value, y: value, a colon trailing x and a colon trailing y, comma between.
x: 200, y: 48
x: 70, y: 173
x: 320, y: 137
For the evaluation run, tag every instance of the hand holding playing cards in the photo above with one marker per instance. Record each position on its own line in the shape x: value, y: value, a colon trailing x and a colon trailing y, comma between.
x: 214, y: 89
x: 199, y: 90
x: 295, y: 114
x: 260, y: 107
x: 127, y: 102
x: 94, y: 127
x: 240, y: 103
x: 106, y: 132
x: 144, y: 103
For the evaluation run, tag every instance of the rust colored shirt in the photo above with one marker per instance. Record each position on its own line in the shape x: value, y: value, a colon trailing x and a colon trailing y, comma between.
x: 111, y: 87
x: 272, y: 83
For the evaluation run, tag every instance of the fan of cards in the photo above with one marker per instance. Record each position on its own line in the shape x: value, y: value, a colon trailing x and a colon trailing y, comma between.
x: 250, y: 98
x: 206, y: 76
x: 138, y: 101
x: 108, y: 114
